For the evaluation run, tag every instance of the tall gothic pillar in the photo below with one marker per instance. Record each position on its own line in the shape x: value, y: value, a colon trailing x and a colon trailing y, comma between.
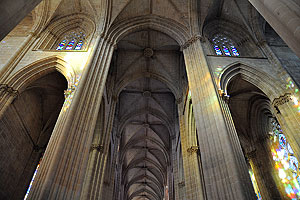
x: 63, y: 168
x: 192, y: 177
x: 289, y: 120
x: 261, y: 163
x: 98, y: 160
x: 224, y: 168
x: 284, y: 17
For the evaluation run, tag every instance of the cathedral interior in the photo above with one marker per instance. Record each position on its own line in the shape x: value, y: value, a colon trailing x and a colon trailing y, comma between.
x: 149, y: 99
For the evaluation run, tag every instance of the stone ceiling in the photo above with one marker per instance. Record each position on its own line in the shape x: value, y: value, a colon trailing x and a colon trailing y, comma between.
x: 148, y: 65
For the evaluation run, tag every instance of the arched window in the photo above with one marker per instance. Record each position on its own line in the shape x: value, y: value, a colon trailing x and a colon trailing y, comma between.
x: 224, y: 46
x: 73, y: 41
x: 286, y: 163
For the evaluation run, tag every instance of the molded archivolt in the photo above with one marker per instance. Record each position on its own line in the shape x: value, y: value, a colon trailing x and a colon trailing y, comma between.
x: 168, y: 26
x: 260, y: 79
x: 59, y: 28
x: 40, y: 68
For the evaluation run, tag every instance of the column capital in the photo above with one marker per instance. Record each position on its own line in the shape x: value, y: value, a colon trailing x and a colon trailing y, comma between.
x: 281, y: 100
x: 251, y: 154
x: 193, y: 149
x: 224, y: 96
x: 192, y: 40
x: 5, y: 89
x: 97, y: 147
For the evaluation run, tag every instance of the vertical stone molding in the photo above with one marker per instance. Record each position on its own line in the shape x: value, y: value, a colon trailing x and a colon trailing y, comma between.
x: 260, y: 160
x: 62, y: 171
x: 192, y: 175
x: 289, y: 120
x: 283, y: 16
x: 224, y: 167
x: 94, y: 178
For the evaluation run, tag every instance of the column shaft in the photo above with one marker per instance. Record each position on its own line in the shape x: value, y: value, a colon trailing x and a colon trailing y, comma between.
x: 192, y: 177
x: 62, y: 171
x: 224, y: 167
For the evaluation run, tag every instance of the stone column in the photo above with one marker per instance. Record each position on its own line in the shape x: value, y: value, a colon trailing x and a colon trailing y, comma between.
x: 289, y: 119
x: 192, y: 176
x: 261, y: 163
x: 63, y: 169
x: 94, y: 181
x: 224, y: 168
x: 284, y: 17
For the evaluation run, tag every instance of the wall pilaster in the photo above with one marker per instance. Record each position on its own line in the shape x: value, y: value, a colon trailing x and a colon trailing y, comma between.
x: 224, y: 167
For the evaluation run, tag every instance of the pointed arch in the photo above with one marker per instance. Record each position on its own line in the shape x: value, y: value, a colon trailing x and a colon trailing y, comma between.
x: 270, y: 86
x: 170, y: 27
x: 40, y: 68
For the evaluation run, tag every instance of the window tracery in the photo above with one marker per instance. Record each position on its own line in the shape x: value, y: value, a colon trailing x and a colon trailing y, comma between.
x: 224, y: 46
x: 286, y: 164
x: 72, y: 41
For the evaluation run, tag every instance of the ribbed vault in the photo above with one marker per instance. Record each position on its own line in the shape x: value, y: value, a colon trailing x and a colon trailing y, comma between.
x: 147, y: 69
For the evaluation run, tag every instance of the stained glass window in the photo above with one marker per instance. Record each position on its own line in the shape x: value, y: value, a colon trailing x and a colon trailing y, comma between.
x: 79, y: 45
x: 61, y: 45
x: 286, y: 164
x: 72, y: 41
x: 70, y: 45
x: 224, y: 46
x: 30, y: 185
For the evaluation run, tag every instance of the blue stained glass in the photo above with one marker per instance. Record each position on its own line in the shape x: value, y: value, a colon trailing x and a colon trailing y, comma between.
x: 218, y: 50
x: 79, y: 45
x: 226, y: 51
x: 234, y: 51
x: 70, y: 45
x: 293, y: 163
x: 61, y: 45
x: 289, y: 148
x: 298, y: 179
x: 282, y: 140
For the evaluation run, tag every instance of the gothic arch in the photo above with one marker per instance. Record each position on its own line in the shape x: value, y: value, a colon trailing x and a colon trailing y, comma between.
x: 258, y: 78
x: 168, y: 26
x: 153, y: 181
x: 156, y: 113
x: 57, y: 28
x: 37, y: 69
x: 127, y: 79
x: 136, y: 140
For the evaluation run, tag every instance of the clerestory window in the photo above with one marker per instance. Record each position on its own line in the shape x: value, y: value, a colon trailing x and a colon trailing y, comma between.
x: 224, y: 46
x: 72, y: 41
